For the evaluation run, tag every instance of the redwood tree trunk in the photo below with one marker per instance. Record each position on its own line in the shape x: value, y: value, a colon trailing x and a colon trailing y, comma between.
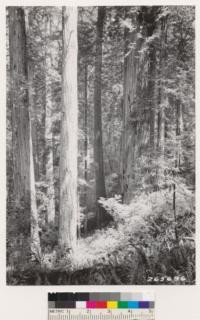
x: 138, y: 140
x: 33, y: 117
x: 179, y: 124
x: 162, y: 100
x: 31, y: 96
x: 23, y: 171
x: 98, y: 145
x: 69, y: 133
x: 86, y: 131
x: 48, y: 129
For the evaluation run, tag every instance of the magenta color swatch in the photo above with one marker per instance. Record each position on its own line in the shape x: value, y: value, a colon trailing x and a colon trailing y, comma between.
x: 91, y: 304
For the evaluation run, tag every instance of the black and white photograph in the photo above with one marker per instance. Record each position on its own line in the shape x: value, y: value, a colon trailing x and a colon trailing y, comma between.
x: 100, y: 145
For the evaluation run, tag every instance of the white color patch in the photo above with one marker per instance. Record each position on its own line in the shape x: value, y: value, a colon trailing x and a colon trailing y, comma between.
x: 80, y: 304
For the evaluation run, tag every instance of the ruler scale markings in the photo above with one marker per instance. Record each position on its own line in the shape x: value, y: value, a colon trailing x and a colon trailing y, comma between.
x: 65, y: 315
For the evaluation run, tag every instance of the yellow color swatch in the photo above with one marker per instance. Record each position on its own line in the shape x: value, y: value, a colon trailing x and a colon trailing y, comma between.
x: 112, y: 304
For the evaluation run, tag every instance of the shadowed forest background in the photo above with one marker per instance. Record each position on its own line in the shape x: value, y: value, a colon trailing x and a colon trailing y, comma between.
x: 100, y: 145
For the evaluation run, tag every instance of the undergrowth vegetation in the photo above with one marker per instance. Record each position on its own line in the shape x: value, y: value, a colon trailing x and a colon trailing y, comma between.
x: 144, y: 244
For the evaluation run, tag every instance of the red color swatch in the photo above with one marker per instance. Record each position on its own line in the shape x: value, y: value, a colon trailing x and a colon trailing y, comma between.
x: 101, y: 304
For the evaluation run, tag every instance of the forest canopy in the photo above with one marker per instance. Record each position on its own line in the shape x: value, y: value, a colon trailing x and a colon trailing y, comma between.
x: 101, y: 145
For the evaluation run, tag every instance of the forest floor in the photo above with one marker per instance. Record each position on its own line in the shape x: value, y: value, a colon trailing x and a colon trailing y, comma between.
x: 139, y: 247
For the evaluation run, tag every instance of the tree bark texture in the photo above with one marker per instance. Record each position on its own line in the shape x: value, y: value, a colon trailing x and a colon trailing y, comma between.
x: 33, y: 115
x: 98, y: 145
x: 178, y: 154
x: 48, y: 128
x: 20, y: 112
x: 32, y: 102
x: 69, y: 133
x: 162, y: 104
x: 23, y: 171
x: 138, y: 141
x: 86, y: 131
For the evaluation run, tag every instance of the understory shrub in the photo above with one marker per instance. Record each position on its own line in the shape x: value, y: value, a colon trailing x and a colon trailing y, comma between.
x: 139, y: 247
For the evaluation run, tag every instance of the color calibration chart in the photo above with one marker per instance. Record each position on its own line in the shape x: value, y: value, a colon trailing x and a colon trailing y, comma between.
x: 101, y: 306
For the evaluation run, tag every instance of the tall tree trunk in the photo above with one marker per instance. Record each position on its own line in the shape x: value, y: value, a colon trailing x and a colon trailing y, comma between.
x: 179, y: 128
x: 86, y: 132
x: 177, y: 103
x: 162, y: 100
x: 35, y: 240
x: 69, y: 133
x: 23, y: 171
x: 131, y: 121
x: 161, y: 94
x: 48, y: 128
x: 33, y: 120
x: 31, y: 97
x: 98, y: 144
x: 139, y: 105
x: 124, y: 120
